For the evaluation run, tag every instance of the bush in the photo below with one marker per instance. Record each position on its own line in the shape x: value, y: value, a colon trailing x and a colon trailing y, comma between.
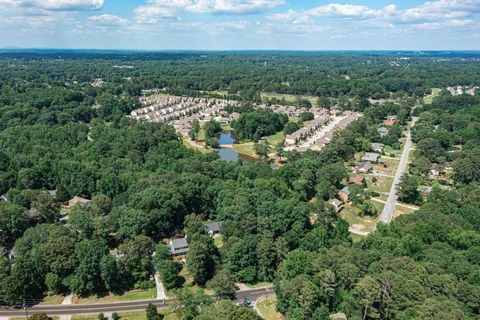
x: 145, y: 285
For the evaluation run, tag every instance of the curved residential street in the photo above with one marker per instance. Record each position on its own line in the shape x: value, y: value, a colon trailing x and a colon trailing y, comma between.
x: 387, y: 213
x: 138, y: 305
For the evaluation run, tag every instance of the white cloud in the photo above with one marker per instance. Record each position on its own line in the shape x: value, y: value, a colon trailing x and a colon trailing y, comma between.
x: 61, y: 5
x: 156, y: 10
x: 107, y: 20
x: 153, y: 14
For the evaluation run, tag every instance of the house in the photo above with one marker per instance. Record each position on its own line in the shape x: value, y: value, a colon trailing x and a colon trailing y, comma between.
x: 344, y: 194
x: 33, y: 215
x: 382, y: 131
x: 363, y: 167
x: 377, y: 147
x: 3, y: 198
x: 53, y: 193
x: 434, y: 173
x: 179, y: 247
x: 78, y: 200
x: 427, y: 190
x: 213, y: 228
x: 390, y: 120
x: 358, y: 180
x: 336, y: 204
x: 370, y: 157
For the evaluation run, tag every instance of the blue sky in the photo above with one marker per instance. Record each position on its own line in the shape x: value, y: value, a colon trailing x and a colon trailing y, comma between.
x: 242, y: 24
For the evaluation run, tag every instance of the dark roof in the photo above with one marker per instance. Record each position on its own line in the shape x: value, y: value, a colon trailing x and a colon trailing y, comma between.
x: 346, y: 190
x: 214, y: 226
x: 370, y: 156
x: 179, y: 246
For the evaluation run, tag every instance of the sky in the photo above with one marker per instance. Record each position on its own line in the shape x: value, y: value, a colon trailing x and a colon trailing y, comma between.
x: 241, y: 24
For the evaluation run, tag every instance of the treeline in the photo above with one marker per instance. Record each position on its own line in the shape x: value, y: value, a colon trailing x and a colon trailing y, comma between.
x: 257, y: 124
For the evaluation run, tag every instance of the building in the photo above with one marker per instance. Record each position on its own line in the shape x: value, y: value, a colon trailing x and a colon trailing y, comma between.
x: 179, y: 247
x: 3, y: 198
x: 336, y: 204
x: 371, y: 157
x: 213, y: 228
x: 344, y: 194
x: 382, y: 131
x: 377, y: 147
x: 78, y: 200
x: 363, y: 167
x: 358, y: 180
x: 53, y: 193
x: 390, y: 121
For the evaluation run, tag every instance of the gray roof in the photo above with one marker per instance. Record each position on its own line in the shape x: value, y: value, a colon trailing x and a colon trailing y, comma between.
x: 346, y: 190
x: 179, y: 246
x: 335, y: 202
x: 376, y: 145
x: 364, y: 165
x: 370, y: 156
x: 214, y: 227
x: 383, y: 130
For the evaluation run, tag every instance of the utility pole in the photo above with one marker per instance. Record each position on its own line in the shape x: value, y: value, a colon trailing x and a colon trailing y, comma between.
x: 26, y: 308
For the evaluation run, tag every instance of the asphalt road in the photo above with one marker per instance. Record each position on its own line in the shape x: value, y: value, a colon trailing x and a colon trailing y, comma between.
x: 139, y: 305
x: 387, y: 213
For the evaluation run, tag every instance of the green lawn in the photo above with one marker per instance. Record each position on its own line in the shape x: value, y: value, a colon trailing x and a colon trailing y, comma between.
x: 401, y: 210
x: 53, y: 299
x: 129, y: 295
x: 356, y: 238
x: 383, y: 184
x: 429, y: 99
x: 132, y: 315
x: 276, y: 138
x: 218, y: 240
x: 245, y: 148
x: 288, y: 97
x: 350, y: 214
x: 267, y: 307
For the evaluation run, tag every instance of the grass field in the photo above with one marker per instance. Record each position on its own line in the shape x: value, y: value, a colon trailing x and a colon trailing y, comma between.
x: 133, y: 315
x: 218, y: 240
x: 54, y: 299
x: 350, y: 214
x: 245, y: 148
x: 401, y: 210
x: 289, y: 97
x: 383, y: 184
x: 356, y: 238
x: 129, y: 295
x: 266, y: 306
x: 429, y: 99
x: 276, y: 138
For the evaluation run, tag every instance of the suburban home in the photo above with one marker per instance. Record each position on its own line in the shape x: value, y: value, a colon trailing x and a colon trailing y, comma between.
x: 179, y: 247
x: 213, y: 228
x: 427, y: 190
x: 33, y: 215
x: 371, y: 157
x: 363, y: 167
x: 53, y: 193
x: 434, y: 173
x: 382, y: 131
x: 336, y: 204
x: 3, y: 198
x: 390, y: 120
x: 344, y: 194
x: 78, y: 200
x: 377, y: 147
x: 358, y: 180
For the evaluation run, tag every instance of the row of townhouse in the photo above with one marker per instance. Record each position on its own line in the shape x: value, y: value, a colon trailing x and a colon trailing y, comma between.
x: 307, y: 131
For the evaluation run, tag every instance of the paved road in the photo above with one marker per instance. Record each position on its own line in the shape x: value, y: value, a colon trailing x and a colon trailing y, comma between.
x: 139, y: 305
x: 387, y: 213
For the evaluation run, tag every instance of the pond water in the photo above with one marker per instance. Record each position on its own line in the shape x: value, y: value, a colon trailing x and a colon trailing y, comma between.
x: 226, y: 153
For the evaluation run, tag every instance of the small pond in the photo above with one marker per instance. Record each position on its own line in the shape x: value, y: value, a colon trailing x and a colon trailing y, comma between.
x: 226, y: 153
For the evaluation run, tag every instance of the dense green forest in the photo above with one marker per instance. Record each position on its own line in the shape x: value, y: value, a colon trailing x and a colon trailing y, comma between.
x: 58, y: 132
